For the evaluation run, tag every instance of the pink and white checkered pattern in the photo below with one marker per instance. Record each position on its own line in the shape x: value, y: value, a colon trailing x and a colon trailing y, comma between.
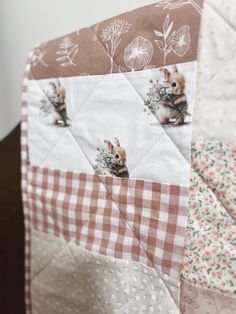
x: 24, y: 183
x: 123, y: 218
x: 128, y: 219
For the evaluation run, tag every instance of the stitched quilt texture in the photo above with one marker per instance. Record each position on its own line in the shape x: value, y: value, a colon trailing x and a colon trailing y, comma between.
x: 106, y: 137
x: 208, y: 275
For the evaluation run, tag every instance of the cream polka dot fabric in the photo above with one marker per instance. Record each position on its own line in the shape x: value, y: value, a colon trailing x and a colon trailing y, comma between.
x: 68, y: 279
x: 215, y: 108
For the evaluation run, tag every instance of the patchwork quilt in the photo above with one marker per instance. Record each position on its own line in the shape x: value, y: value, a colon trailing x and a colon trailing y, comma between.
x: 128, y: 169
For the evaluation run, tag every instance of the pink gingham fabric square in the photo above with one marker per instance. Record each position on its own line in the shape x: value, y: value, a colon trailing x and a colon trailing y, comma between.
x: 111, y: 216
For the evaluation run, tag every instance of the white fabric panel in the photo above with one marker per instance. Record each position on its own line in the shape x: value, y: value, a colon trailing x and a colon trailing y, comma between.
x: 215, y: 110
x: 102, y: 108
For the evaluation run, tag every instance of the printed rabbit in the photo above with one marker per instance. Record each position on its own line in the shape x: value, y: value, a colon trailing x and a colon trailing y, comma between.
x: 112, y: 160
x: 175, y: 106
x: 60, y: 113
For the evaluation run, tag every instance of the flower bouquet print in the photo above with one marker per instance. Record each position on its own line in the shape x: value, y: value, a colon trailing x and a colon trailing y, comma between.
x: 167, y: 99
x: 112, y: 36
x: 67, y: 52
x: 99, y: 176
x: 112, y: 160
x: 54, y: 104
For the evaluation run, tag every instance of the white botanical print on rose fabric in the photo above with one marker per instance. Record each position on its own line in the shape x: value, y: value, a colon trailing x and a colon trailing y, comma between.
x: 67, y: 52
x: 37, y: 57
x: 54, y: 104
x: 95, y: 32
x: 111, y: 160
x: 111, y: 35
x: 175, y: 4
x: 138, y: 54
x: 173, y: 41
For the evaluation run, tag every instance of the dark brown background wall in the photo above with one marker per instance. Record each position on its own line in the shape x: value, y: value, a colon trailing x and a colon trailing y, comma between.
x: 11, y: 227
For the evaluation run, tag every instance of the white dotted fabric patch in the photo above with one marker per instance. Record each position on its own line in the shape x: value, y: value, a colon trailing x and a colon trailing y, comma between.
x: 68, y: 279
x: 214, y: 112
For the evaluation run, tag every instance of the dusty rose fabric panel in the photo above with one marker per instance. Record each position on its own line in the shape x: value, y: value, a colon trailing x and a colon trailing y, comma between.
x: 90, y: 50
x: 198, y: 300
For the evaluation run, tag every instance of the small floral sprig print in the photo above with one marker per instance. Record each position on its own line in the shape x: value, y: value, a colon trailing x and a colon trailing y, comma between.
x: 175, y: 4
x: 111, y: 35
x: 68, y: 50
x: 165, y: 44
x: 177, y: 41
x: 37, y: 58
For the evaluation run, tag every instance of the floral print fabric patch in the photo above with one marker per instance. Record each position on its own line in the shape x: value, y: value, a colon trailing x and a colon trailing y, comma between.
x: 215, y: 162
x: 210, y: 246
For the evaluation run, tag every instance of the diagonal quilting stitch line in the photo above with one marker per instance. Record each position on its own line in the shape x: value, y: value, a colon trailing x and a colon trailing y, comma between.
x: 94, y: 92
x: 134, y: 88
x: 221, y: 68
x: 132, y: 35
x: 167, y: 287
x: 82, y: 150
x: 175, y: 146
x: 108, y: 194
x: 52, y: 147
x: 122, y: 215
x: 76, y: 263
x: 104, y: 48
x: 123, y: 307
x: 114, y: 202
x: 85, y: 223
x: 129, y: 37
x: 67, y: 245
x: 141, y: 26
x: 219, y: 14
x: 36, y: 82
x: 142, y: 100
x: 116, y: 205
x: 120, y: 212
x: 130, y: 170
x: 51, y: 260
x: 111, y: 199
x: 87, y: 99
x: 209, y: 188
x: 140, y: 292
x: 69, y: 131
x: 120, y: 310
x: 206, y: 85
x: 58, y: 136
x: 121, y: 262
